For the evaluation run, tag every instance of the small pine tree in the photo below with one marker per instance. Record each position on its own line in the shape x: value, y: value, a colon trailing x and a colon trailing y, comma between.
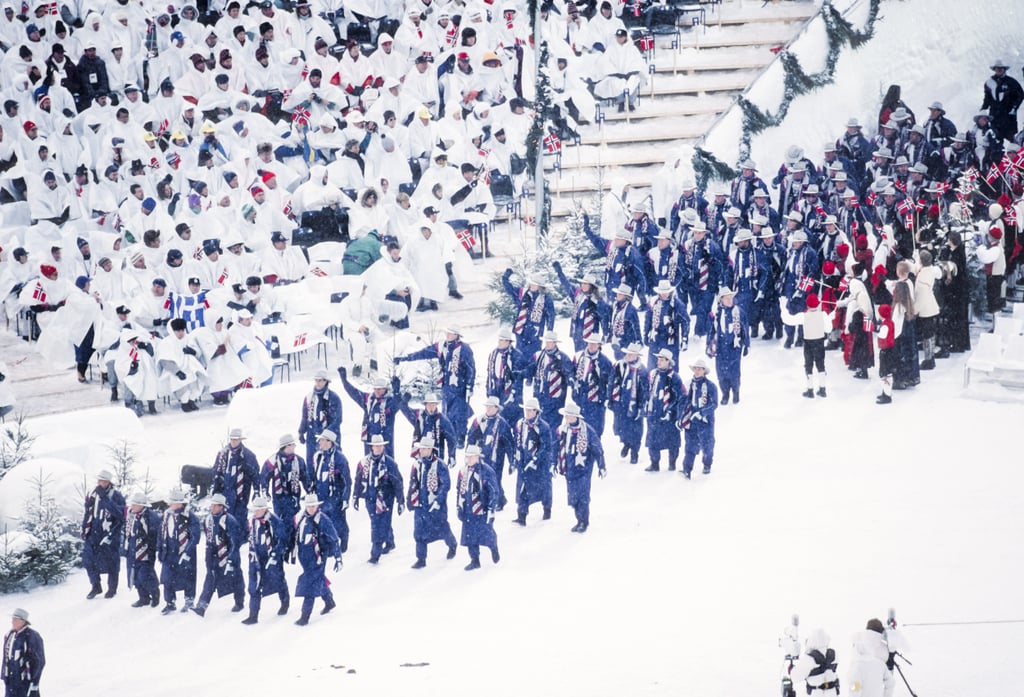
x: 123, y: 458
x: 14, y: 571
x: 15, y: 444
x: 56, y: 548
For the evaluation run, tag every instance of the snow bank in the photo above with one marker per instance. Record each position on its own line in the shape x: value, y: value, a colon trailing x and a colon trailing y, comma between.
x: 66, y: 482
x: 83, y: 436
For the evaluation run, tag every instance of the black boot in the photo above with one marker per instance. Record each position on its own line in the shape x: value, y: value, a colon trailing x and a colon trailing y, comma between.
x: 474, y: 564
x: 634, y: 457
x: 625, y: 449
x: 97, y: 589
x: 520, y: 519
x: 420, y: 564
x: 809, y: 393
x: 152, y: 406
x: 451, y: 551
x: 168, y: 609
x: 547, y: 513
x: 113, y: 394
x: 329, y: 605
x: 283, y: 610
x: 253, y: 618
x: 822, y: 392
x: 303, y: 620
x: 141, y: 602
x: 861, y: 374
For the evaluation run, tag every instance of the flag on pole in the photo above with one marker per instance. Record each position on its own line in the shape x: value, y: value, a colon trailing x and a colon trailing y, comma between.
x: 466, y: 238
x: 552, y: 143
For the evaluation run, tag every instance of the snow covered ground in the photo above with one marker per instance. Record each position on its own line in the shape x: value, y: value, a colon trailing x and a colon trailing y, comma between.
x: 832, y: 508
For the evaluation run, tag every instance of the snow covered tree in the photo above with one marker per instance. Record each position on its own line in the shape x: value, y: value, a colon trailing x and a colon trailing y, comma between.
x: 13, y: 569
x: 15, y: 444
x: 55, y: 546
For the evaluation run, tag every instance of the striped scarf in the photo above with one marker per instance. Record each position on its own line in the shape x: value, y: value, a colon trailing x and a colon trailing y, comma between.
x: 619, y: 319
x: 284, y: 477
x: 453, y: 351
x: 499, y: 367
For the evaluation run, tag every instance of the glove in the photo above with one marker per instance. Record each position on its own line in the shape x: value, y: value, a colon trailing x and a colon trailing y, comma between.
x: 602, y: 473
x: 44, y: 307
x: 699, y: 416
x: 490, y: 517
x: 586, y: 221
x: 556, y: 266
x: 189, y: 350
x: 2, y: 377
x: 511, y: 469
x: 185, y: 559
x: 302, y: 438
x: 342, y: 371
x: 221, y: 350
x: 396, y: 360
x: 759, y: 297
x: 401, y: 507
x: 272, y: 562
x: 229, y: 569
x: 134, y: 368
x: 508, y: 274
x: 344, y: 505
x: 157, y: 322
x: 451, y: 461
x: 337, y: 564
x: 181, y: 375
x: 746, y: 350
x: 355, y: 504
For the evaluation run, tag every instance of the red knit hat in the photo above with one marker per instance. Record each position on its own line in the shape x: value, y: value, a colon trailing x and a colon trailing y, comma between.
x: 995, y: 232
x: 933, y: 212
x: 48, y: 270
x: 812, y: 300
x: 29, y: 125
x: 267, y: 176
x: 861, y: 242
x: 843, y: 250
x: 885, y: 311
x: 828, y: 268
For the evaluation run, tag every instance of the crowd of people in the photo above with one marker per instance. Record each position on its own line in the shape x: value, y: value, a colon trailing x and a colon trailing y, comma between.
x: 163, y: 164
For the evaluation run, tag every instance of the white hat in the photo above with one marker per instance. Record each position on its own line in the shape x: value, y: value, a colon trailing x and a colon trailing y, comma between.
x: 20, y: 614
x: 699, y: 363
x: 505, y: 333
x: 310, y: 500
x: 623, y: 289
x: 322, y: 375
x: 235, y: 434
x: 453, y: 329
x: 798, y: 236
x: 570, y: 409
x: 743, y: 235
x: 377, y: 439
x: 733, y: 212
x: 492, y: 401
x: 431, y: 398
x: 593, y: 338
x: 138, y: 499
x: 218, y: 500
x: 176, y: 496
x: 624, y: 235
x: 379, y: 383
x: 328, y: 434
x: 664, y: 286
x: 259, y: 503
x: 748, y: 164
x: 286, y: 439
x: 426, y: 441
x: 757, y: 219
x: 725, y: 290
x: 473, y: 450
x: 811, y: 189
x: 634, y: 348
x: 550, y: 335
x: 531, y: 403
x: 665, y: 353
x: 105, y: 476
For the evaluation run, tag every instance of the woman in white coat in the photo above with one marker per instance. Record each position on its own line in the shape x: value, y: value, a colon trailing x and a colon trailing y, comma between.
x: 252, y: 350
x: 622, y: 72
x: 136, y: 371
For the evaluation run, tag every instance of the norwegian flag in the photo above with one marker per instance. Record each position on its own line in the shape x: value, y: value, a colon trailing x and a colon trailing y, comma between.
x: 246, y: 384
x: 1007, y: 163
x: 854, y: 202
x: 905, y: 207
x: 451, y: 37
x: 466, y: 238
x: 920, y: 204
x: 635, y: 7
x: 844, y: 285
x: 301, y: 115
x: 39, y: 294
x: 993, y: 174
x: 287, y: 210
x: 870, y: 198
x: 900, y: 186
x: 646, y: 43
x: 972, y: 174
x: 223, y: 276
x: 299, y: 340
x: 1010, y: 216
x: 318, y: 272
x: 198, y: 254
x: 552, y: 143
x: 806, y: 284
x: 908, y: 222
x: 869, y: 325
x: 154, y: 162
x: 1018, y: 162
x: 52, y: 9
x: 941, y: 187
x: 173, y: 159
x: 165, y: 126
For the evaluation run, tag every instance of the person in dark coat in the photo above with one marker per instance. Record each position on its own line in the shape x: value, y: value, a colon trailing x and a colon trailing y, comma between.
x: 236, y: 475
x: 938, y: 129
x: 92, y: 72
x: 101, y: 531
x: 627, y: 400
x: 507, y: 368
x: 176, y: 549
x: 666, y: 323
x: 458, y: 376
x: 141, y: 533
x: 552, y: 374
x: 379, y: 409
x: 704, y: 263
x: 535, y: 312
x: 624, y: 264
x: 698, y: 419
x: 665, y: 401
x: 283, y: 477
x: 494, y: 436
x: 476, y: 499
x: 624, y: 328
x: 771, y: 261
x: 590, y: 313
x: 321, y: 410
x: 579, y: 451
x: 430, y: 420
x: 223, y: 560
x: 592, y: 374
x: 379, y: 483
x: 730, y: 343
x: 1003, y: 96
x: 269, y: 540
x: 954, y: 324
x: 802, y: 269
x: 742, y: 188
x: 329, y: 477
x: 429, y: 483
x: 533, y: 459
x: 315, y: 540
x: 24, y: 658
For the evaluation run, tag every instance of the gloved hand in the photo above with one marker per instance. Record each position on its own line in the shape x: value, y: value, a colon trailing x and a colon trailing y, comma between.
x: 221, y: 350
x: 189, y: 350
x: 134, y: 368
x: 556, y: 266
x: 490, y: 517
x: 337, y: 564
x: 603, y: 472
x: 302, y: 437
x: 759, y: 297
x: 181, y: 375
x: 699, y: 416
x: 511, y: 469
x: 586, y: 221
x: 342, y: 371
x: 229, y: 569
x: 185, y: 559
x: 355, y: 504
x: 746, y: 350
x: 344, y: 505
x: 451, y: 461
x: 272, y: 561
x: 508, y: 274
x: 396, y: 360
x: 401, y: 507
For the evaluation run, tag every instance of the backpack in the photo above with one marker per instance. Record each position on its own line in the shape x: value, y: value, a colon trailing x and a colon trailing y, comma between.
x: 825, y: 662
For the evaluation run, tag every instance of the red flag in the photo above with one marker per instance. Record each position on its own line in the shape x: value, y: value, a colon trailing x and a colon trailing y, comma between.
x: 39, y: 294
x: 317, y: 271
x: 301, y: 115
x: 806, y: 284
x: 647, y: 43
x: 941, y: 187
x: 1010, y: 216
x: 905, y: 207
x: 1007, y: 163
x: 466, y: 238
x: 552, y: 143
x: 908, y: 222
x: 300, y: 340
x: 993, y: 174
x: 900, y: 186
x: 870, y: 198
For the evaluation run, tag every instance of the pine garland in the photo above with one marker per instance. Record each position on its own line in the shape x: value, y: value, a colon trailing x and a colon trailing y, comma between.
x: 840, y: 33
